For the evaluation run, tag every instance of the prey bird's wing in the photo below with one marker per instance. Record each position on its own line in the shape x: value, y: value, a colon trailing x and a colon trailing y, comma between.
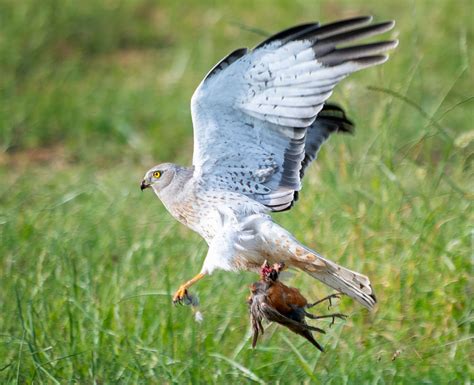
x: 274, y: 315
x: 300, y: 328
x: 255, y: 115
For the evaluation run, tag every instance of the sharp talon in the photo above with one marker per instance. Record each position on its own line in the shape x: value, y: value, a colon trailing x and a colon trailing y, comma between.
x: 182, y: 292
x: 179, y: 296
x: 328, y: 298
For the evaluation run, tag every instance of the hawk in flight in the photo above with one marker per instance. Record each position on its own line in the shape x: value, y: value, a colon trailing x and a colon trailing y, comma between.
x: 259, y: 119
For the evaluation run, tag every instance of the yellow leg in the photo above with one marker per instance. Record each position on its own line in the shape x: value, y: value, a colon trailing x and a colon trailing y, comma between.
x: 181, y: 292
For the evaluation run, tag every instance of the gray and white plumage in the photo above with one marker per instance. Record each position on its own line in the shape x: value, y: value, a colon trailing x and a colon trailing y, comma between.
x: 259, y: 119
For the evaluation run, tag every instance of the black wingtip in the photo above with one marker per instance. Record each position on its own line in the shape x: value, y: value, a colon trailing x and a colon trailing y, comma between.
x: 346, y: 23
x: 328, y: 42
x: 370, y: 61
x: 335, y: 119
x: 289, y: 33
x: 354, y: 20
x: 390, y: 23
x: 354, y: 53
x: 373, y: 297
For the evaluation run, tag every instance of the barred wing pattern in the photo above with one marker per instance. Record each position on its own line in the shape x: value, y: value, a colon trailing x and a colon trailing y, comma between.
x: 255, y: 115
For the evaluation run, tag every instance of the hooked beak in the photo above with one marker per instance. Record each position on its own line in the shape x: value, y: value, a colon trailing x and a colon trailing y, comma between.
x: 144, y: 185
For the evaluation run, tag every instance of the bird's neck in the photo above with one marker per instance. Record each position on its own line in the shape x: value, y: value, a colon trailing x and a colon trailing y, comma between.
x: 176, y: 195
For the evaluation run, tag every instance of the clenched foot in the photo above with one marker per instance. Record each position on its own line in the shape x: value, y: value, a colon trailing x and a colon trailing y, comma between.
x: 180, y: 295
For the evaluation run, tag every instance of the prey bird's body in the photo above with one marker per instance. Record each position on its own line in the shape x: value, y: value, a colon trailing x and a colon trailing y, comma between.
x: 259, y: 118
x: 273, y: 301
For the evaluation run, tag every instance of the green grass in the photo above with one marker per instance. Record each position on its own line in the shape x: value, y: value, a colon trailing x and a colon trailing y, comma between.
x: 94, y: 93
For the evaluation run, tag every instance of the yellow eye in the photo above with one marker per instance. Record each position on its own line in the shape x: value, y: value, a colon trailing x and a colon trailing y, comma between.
x: 156, y: 174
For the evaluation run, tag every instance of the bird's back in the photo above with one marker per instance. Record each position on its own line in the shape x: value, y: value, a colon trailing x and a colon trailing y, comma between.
x: 285, y: 299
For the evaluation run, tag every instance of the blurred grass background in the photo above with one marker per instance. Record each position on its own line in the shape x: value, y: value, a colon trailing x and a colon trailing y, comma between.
x: 93, y: 93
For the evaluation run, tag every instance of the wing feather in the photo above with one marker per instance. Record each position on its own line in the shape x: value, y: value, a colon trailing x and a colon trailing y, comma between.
x: 293, y: 101
x: 255, y: 114
x: 289, y: 33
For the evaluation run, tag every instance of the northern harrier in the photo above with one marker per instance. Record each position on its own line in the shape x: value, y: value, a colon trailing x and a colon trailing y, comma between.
x: 259, y: 120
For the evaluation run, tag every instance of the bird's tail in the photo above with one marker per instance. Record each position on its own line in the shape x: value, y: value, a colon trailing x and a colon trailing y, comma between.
x: 355, y: 285
x: 278, y: 245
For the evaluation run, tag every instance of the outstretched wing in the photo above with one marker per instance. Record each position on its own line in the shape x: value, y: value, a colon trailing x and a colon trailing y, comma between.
x: 254, y: 113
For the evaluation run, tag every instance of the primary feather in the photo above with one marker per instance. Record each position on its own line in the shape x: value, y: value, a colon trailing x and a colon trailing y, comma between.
x: 259, y: 109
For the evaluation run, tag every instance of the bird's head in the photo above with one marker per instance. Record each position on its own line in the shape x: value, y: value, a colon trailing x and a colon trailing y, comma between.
x: 265, y: 270
x: 271, y: 273
x: 159, y: 177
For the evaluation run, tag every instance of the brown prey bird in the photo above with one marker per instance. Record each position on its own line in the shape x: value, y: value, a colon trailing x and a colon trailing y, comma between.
x: 272, y: 300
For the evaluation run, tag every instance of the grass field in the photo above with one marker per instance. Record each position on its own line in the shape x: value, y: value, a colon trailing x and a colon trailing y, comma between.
x: 94, y: 93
